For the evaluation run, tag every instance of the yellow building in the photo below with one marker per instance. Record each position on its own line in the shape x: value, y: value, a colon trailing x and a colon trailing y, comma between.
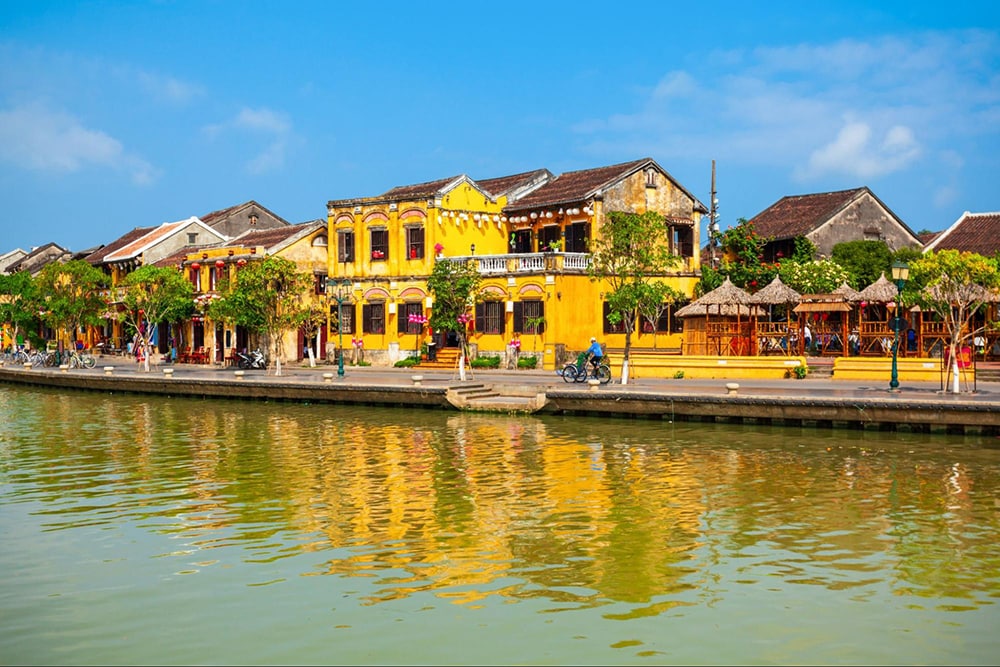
x: 200, y: 340
x: 529, y: 234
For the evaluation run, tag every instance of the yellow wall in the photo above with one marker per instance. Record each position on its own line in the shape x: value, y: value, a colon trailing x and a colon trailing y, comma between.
x: 573, y: 302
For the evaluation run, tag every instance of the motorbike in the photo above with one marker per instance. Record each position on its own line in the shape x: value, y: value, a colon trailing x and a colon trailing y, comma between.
x: 254, y: 359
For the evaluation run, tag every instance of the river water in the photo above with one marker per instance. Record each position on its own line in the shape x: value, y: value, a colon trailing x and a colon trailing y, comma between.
x: 142, y: 530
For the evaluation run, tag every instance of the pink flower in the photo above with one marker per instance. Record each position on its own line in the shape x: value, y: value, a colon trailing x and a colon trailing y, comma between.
x: 438, y: 247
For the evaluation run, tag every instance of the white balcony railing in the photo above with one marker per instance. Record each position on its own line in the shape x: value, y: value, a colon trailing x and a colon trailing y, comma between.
x: 533, y: 262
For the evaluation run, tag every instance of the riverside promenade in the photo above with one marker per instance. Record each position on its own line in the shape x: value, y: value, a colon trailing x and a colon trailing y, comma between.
x: 809, y: 402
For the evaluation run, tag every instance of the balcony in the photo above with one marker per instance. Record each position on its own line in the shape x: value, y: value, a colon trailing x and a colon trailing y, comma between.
x: 544, y: 262
x: 528, y: 263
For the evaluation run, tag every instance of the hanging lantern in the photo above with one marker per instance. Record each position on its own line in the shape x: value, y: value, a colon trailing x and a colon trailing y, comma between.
x: 195, y: 266
x: 219, y: 264
x: 241, y: 262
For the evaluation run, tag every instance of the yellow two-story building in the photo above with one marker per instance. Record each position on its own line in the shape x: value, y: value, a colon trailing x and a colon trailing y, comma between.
x: 530, y: 236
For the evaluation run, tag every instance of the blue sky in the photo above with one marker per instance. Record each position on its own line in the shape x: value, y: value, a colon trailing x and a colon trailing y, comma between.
x: 115, y: 115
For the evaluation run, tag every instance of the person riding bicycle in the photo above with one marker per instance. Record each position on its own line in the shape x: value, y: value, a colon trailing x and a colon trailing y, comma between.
x: 595, y: 352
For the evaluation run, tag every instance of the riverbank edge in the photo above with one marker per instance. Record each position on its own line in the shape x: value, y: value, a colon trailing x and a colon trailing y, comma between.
x: 805, y: 409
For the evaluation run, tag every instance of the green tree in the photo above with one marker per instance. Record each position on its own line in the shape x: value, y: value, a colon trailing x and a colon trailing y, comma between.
x: 816, y: 277
x: 654, y: 298
x: 743, y: 259
x: 153, y: 295
x: 630, y: 251
x: 19, y: 305
x: 955, y: 286
x: 454, y: 286
x: 865, y: 261
x: 69, y: 296
x: 265, y: 297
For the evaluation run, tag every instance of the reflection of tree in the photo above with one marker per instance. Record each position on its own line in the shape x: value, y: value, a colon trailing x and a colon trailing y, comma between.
x: 576, y: 512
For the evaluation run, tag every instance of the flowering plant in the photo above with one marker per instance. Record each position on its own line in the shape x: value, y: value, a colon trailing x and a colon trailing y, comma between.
x: 378, y: 254
x: 417, y: 318
x: 438, y: 248
x: 358, y: 343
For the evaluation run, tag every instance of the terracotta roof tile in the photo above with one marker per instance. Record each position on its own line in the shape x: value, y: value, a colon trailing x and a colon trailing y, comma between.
x: 419, y: 190
x: 575, y: 186
x: 973, y: 232
x: 135, y: 248
x: 97, y: 257
x: 506, y: 184
x: 268, y: 237
x: 800, y: 214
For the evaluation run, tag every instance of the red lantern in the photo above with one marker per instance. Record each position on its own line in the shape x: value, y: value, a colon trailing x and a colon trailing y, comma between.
x: 241, y: 262
x: 219, y: 264
x: 195, y: 266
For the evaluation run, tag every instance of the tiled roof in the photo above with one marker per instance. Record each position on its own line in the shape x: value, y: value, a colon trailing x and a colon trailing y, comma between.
x: 508, y: 184
x: 927, y: 237
x: 135, y: 248
x: 576, y: 186
x: 800, y: 214
x: 419, y: 190
x: 973, y: 232
x: 97, y: 257
x: 270, y: 237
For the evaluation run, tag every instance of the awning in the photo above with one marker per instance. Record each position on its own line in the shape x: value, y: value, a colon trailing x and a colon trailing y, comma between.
x: 821, y: 307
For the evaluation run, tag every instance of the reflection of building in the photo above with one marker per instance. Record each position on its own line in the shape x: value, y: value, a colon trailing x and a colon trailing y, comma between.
x: 529, y: 235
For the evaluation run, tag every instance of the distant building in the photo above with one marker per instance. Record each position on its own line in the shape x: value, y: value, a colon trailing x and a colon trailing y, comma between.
x: 972, y: 232
x: 827, y: 219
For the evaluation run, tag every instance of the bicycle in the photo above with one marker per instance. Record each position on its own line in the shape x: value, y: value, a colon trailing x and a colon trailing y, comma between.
x: 583, y: 370
x: 75, y: 359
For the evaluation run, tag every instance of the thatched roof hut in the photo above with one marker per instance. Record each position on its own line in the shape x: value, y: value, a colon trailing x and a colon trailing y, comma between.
x: 725, y: 294
x: 775, y: 293
x: 696, y: 309
x: 850, y: 294
x: 880, y: 291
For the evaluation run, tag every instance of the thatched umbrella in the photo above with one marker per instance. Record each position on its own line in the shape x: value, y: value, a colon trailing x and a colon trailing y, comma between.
x: 726, y: 294
x: 776, y: 293
x: 850, y: 294
x: 880, y: 291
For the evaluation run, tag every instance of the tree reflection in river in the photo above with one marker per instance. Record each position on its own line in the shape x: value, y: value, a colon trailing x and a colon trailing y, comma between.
x: 638, y: 517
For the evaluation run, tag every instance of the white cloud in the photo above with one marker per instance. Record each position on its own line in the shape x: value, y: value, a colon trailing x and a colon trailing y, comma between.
x: 169, y: 89
x: 850, y: 107
x: 36, y: 138
x: 854, y: 153
x: 275, y: 128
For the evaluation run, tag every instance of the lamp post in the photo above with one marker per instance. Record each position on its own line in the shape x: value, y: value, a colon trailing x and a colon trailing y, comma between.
x: 339, y: 291
x: 900, y: 273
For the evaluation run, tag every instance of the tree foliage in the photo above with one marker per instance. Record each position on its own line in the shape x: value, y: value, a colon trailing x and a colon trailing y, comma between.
x: 629, y: 252
x: 864, y: 260
x: 955, y: 286
x: 69, y: 295
x: 454, y: 285
x: 19, y: 304
x: 153, y: 295
x: 265, y: 297
x: 814, y: 277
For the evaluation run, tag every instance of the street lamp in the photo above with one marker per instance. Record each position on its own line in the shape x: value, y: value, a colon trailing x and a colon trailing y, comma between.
x: 900, y: 273
x: 339, y: 291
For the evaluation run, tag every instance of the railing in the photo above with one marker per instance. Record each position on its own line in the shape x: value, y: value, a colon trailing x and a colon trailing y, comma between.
x: 533, y: 262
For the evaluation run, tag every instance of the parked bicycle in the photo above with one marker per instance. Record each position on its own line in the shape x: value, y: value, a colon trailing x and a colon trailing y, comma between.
x: 76, y: 359
x: 583, y: 370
